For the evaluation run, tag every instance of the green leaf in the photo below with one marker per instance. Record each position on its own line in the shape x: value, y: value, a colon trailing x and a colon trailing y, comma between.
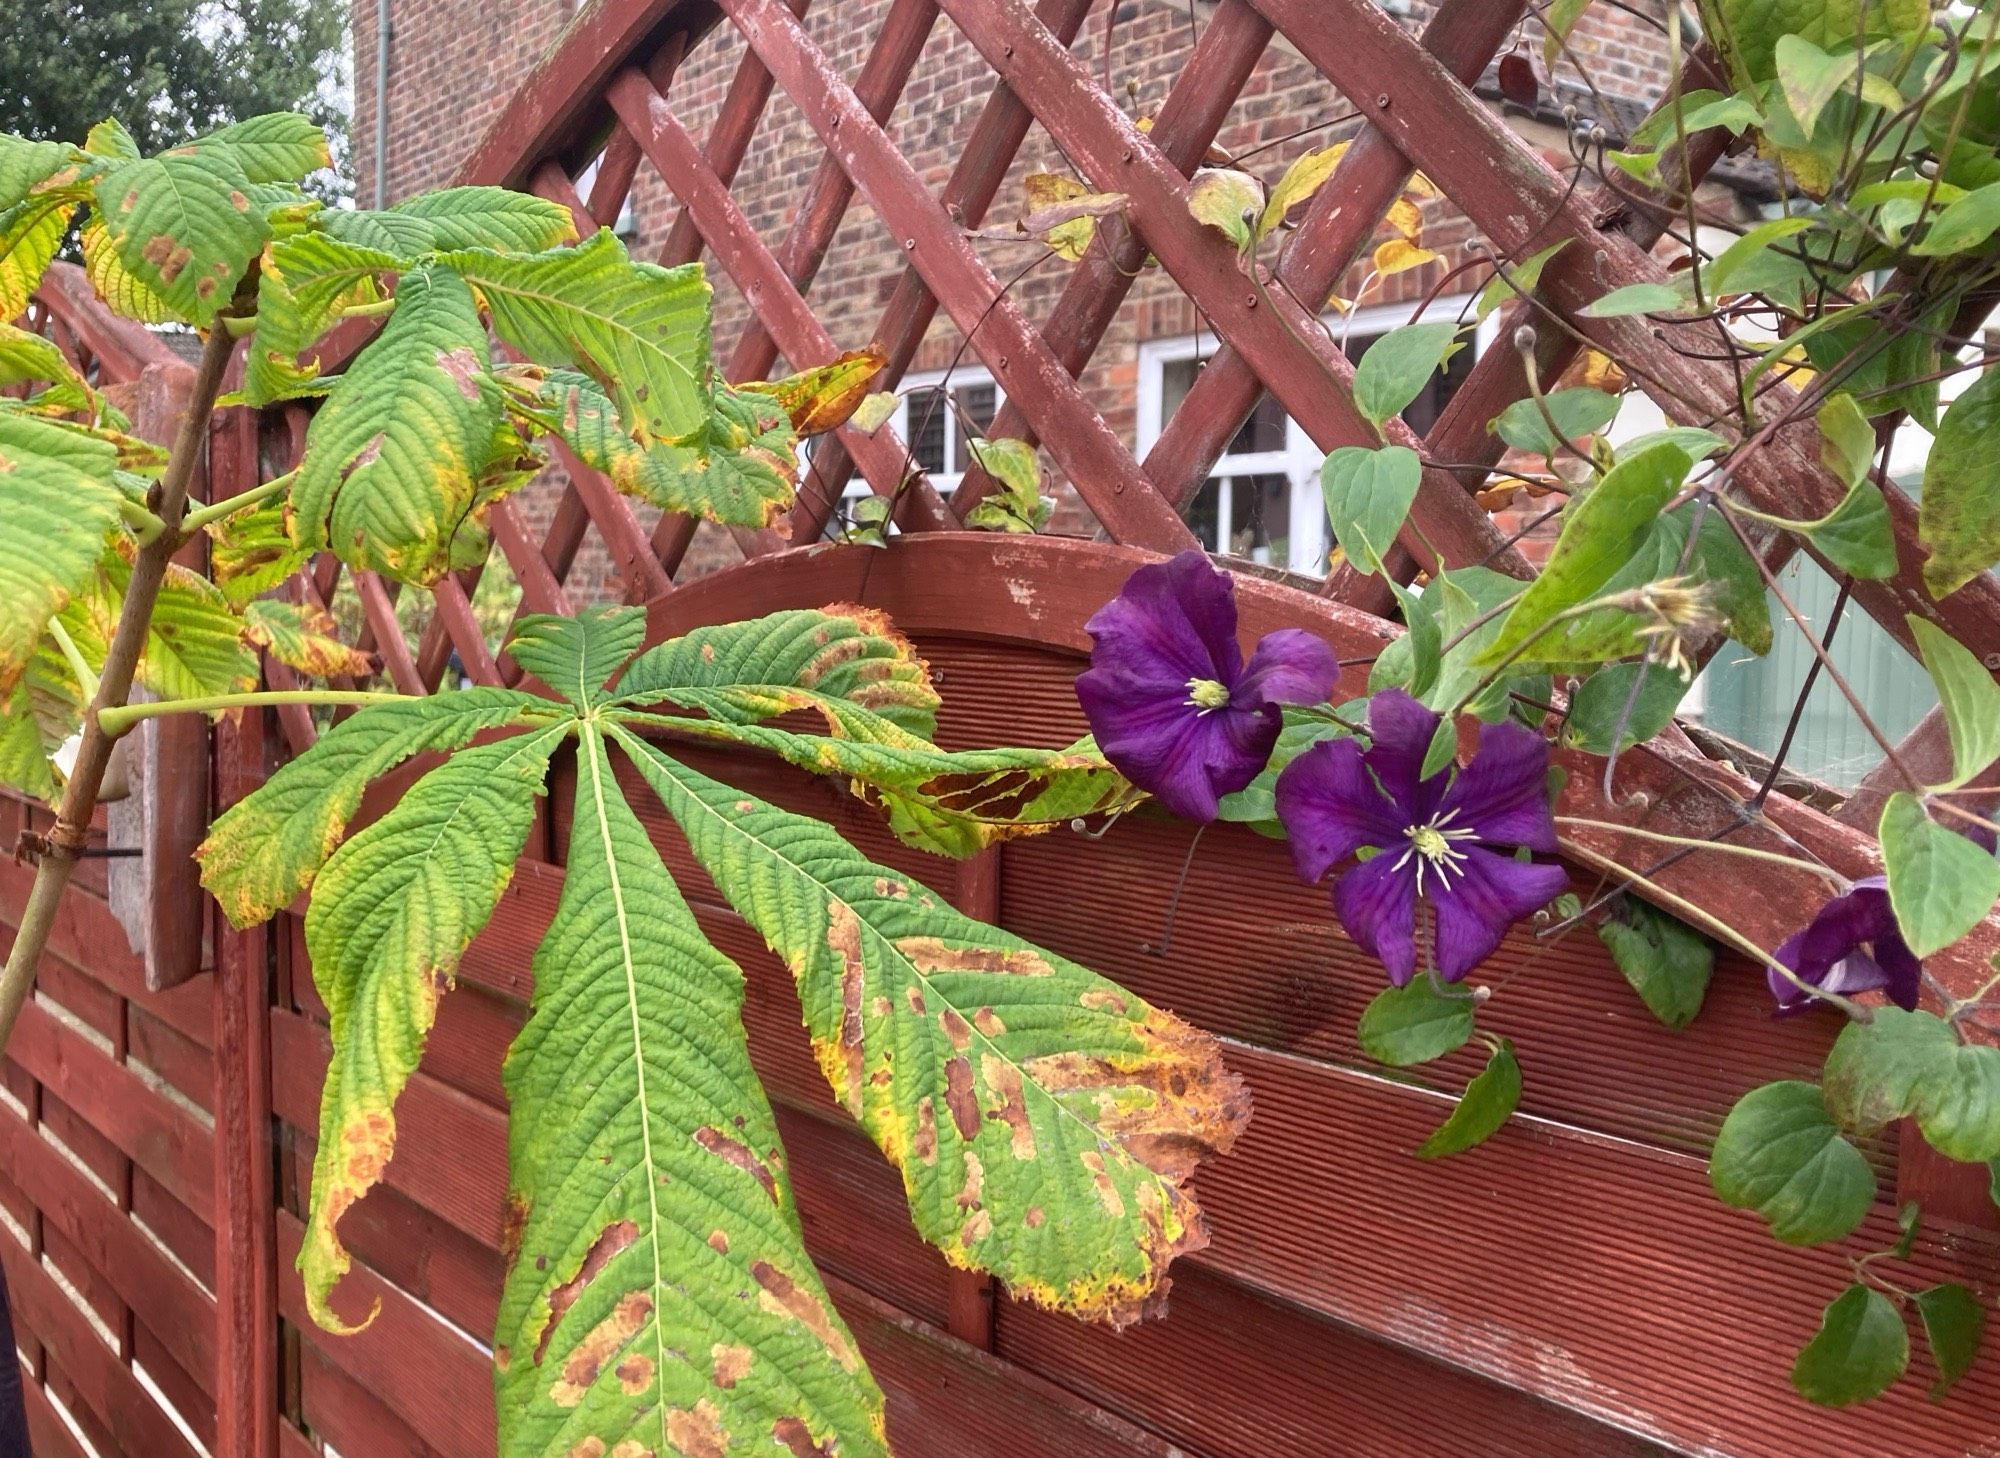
x: 391, y: 914
x: 833, y: 661
x: 1398, y: 365
x: 1861, y: 1348
x: 1954, y: 1321
x: 1227, y: 201
x: 1810, y: 77
x: 1780, y: 1154
x: 1698, y: 443
x: 1967, y: 694
x: 1963, y: 225
x: 453, y: 218
x: 267, y: 848
x: 1414, y: 1023
x: 1911, y: 1064
x: 393, y: 457
x: 1025, y: 1099
x: 646, y: 1213
x: 1018, y: 504
x: 1368, y: 494
x: 281, y: 146
x: 122, y: 290
x: 639, y: 330
x: 1488, y: 1102
x: 1577, y: 411
x: 577, y: 656
x: 1425, y: 655
x: 57, y: 506
x: 1638, y: 298
x: 1558, y: 20
x: 24, y: 759
x: 1733, y: 266
x: 1958, y: 515
x: 1698, y: 111
x: 30, y: 234
x: 1667, y: 962
x: 194, y: 642
x: 1856, y: 536
x: 109, y: 138
x: 27, y: 357
x: 1604, y: 703
x: 26, y: 165
x: 1521, y: 278
x: 183, y: 225
x: 1940, y: 883
x: 1601, y: 534
x: 304, y: 284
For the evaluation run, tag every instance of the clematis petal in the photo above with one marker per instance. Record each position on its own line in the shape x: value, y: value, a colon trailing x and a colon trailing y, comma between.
x: 1503, y: 793
x: 1376, y: 904
x: 1289, y: 666
x: 1171, y: 619
x: 1487, y: 894
x: 1330, y: 807
x: 1902, y: 973
x: 1833, y: 939
x: 1184, y: 758
x: 1401, y: 730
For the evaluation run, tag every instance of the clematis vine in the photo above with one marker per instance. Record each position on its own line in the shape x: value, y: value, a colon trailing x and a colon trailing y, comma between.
x: 1173, y: 704
x: 1851, y: 945
x: 1447, y: 838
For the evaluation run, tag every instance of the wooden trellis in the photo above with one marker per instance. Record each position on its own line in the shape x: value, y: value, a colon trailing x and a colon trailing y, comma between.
x: 1612, y: 1306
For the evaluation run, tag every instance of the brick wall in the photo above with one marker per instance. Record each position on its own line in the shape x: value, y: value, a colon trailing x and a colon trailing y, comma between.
x: 455, y: 63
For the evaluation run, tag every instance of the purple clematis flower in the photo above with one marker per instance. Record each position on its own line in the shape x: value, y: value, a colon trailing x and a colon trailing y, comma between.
x: 1830, y: 953
x: 1167, y: 694
x: 1447, y: 838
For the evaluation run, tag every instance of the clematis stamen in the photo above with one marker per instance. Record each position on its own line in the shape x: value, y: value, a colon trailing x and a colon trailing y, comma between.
x: 1207, y: 693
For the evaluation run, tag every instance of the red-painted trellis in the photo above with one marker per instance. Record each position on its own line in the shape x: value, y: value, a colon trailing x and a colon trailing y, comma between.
x: 607, y: 95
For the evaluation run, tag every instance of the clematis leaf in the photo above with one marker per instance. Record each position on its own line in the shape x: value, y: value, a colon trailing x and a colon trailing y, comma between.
x: 1396, y: 366
x: 1861, y: 1347
x: 1940, y: 883
x: 1911, y: 1064
x: 1667, y: 962
x: 1414, y: 1023
x: 1968, y: 695
x: 1368, y: 494
x: 1954, y: 1320
x: 1488, y: 1102
x: 1780, y: 1153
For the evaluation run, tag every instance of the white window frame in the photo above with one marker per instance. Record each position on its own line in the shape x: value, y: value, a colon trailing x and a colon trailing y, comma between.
x: 1299, y: 461
x: 946, y: 482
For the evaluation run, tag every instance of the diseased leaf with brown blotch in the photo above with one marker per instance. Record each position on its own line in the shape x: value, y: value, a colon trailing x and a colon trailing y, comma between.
x: 392, y: 461
x: 1063, y: 213
x: 391, y: 914
x: 1044, y: 1119
x: 822, y: 398
x: 183, y: 225
x: 834, y: 661
x: 58, y: 504
x: 304, y: 637
x: 252, y: 552
x: 267, y: 847
x: 658, y: 1297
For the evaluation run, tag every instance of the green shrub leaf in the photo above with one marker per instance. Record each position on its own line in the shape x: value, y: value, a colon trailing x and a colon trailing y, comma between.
x: 1954, y: 1321
x: 1958, y: 515
x: 1415, y: 1023
x: 391, y: 914
x: 267, y: 848
x: 1667, y: 962
x: 58, y: 504
x: 1968, y: 695
x: 1900, y: 1064
x: 184, y: 225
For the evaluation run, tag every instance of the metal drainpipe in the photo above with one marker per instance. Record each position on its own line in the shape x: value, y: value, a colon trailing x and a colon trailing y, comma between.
x: 382, y: 29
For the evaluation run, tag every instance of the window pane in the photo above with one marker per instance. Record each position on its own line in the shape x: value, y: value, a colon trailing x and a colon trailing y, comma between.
x: 926, y: 412
x: 1260, y: 518
x: 1201, y: 512
x: 1263, y: 431
x: 978, y: 403
x: 1176, y: 379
